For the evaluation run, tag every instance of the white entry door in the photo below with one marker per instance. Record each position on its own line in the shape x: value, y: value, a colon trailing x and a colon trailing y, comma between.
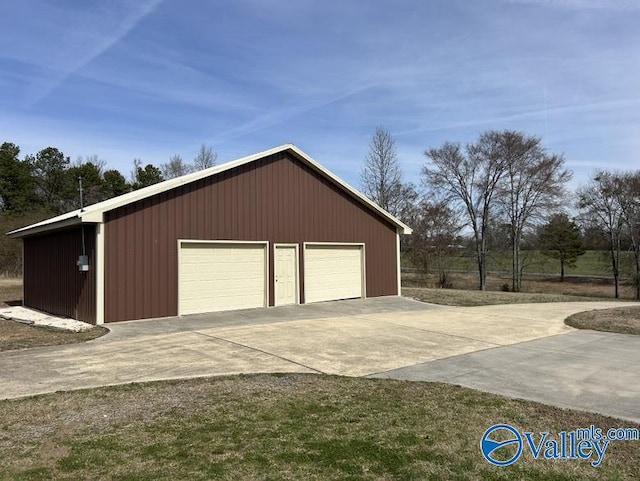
x: 286, y: 274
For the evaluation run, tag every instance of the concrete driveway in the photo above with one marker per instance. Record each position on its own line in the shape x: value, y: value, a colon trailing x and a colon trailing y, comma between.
x: 586, y: 370
x: 383, y: 337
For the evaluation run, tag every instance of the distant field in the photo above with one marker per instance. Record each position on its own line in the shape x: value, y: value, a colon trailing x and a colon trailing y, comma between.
x: 589, y: 287
x: 594, y: 263
x: 459, y: 297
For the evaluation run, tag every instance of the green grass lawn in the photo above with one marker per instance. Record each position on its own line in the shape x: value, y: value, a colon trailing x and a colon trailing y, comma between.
x: 625, y: 320
x: 305, y: 427
x: 461, y: 297
x: 14, y: 335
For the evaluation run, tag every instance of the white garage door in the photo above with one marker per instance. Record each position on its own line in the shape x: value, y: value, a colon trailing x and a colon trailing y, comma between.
x: 333, y: 272
x: 221, y: 276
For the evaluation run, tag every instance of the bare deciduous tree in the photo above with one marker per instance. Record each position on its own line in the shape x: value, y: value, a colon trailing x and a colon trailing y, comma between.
x: 176, y: 167
x: 435, y: 230
x: 133, y: 175
x: 381, y: 176
x: 91, y: 159
x: 629, y: 198
x: 532, y: 185
x: 600, y: 203
x: 206, y: 158
x: 469, y: 177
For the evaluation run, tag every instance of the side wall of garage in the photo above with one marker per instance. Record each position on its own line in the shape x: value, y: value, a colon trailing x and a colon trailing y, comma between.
x: 276, y: 199
x: 52, y: 281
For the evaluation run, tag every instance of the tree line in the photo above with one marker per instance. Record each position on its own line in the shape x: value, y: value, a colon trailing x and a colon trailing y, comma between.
x: 37, y: 186
x: 504, y: 190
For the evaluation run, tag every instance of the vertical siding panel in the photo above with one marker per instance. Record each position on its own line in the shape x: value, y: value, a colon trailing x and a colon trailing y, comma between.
x: 275, y: 195
x: 281, y: 176
x: 124, y: 280
x: 147, y: 265
x: 242, y: 195
x: 170, y: 242
x: 193, y: 212
x: 275, y: 213
x: 299, y: 212
x: 217, y: 207
x: 267, y: 217
x: 248, y: 227
x: 180, y: 222
x: 157, y: 291
x: 173, y: 234
x: 228, y: 206
x: 235, y: 207
x: 289, y: 204
x: 223, y: 205
x: 119, y: 280
x: 259, y: 220
x: 211, y: 206
x: 202, y: 209
x: 220, y: 208
x: 138, y: 260
x: 52, y: 281
x: 186, y: 212
x: 204, y: 205
x: 195, y: 200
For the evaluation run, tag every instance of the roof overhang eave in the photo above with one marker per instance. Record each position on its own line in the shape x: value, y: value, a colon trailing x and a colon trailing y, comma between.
x: 38, y: 229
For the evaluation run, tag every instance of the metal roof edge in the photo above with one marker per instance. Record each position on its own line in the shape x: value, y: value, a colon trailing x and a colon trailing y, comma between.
x: 43, y: 226
x: 94, y: 213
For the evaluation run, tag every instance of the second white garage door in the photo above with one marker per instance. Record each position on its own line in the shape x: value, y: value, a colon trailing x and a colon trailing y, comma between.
x: 333, y: 272
x: 221, y: 276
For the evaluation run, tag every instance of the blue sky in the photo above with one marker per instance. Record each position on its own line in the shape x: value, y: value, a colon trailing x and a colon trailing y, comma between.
x: 125, y: 79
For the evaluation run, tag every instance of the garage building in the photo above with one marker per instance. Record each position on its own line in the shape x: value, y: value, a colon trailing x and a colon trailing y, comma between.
x: 270, y: 229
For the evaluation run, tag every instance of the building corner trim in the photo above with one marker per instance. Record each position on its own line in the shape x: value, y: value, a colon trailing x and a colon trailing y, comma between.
x: 398, y: 267
x: 99, y: 266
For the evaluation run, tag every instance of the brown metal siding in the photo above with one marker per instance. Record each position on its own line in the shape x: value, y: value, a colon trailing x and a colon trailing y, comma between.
x: 277, y: 199
x: 52, y: 281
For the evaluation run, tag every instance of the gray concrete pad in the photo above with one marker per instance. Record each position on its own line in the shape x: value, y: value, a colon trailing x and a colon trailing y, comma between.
x: 172, y: 348
x: 168, y: 356
x: 247, y: 317
x: 349, y: 345
x: 397, y: 336
x: 586, y: 370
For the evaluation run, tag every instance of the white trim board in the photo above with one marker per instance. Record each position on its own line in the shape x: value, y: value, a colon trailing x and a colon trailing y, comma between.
x: 99, y: 261
x: 398, y: 269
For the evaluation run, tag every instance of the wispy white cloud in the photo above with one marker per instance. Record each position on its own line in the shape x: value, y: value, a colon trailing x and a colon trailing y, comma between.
x: 88, y: 35
x: 588, y: 108
x: 274, y: 117
x: 253, y: 73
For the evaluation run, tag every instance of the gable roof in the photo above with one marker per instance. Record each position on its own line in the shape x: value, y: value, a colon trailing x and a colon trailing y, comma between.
x: 94, y: 213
